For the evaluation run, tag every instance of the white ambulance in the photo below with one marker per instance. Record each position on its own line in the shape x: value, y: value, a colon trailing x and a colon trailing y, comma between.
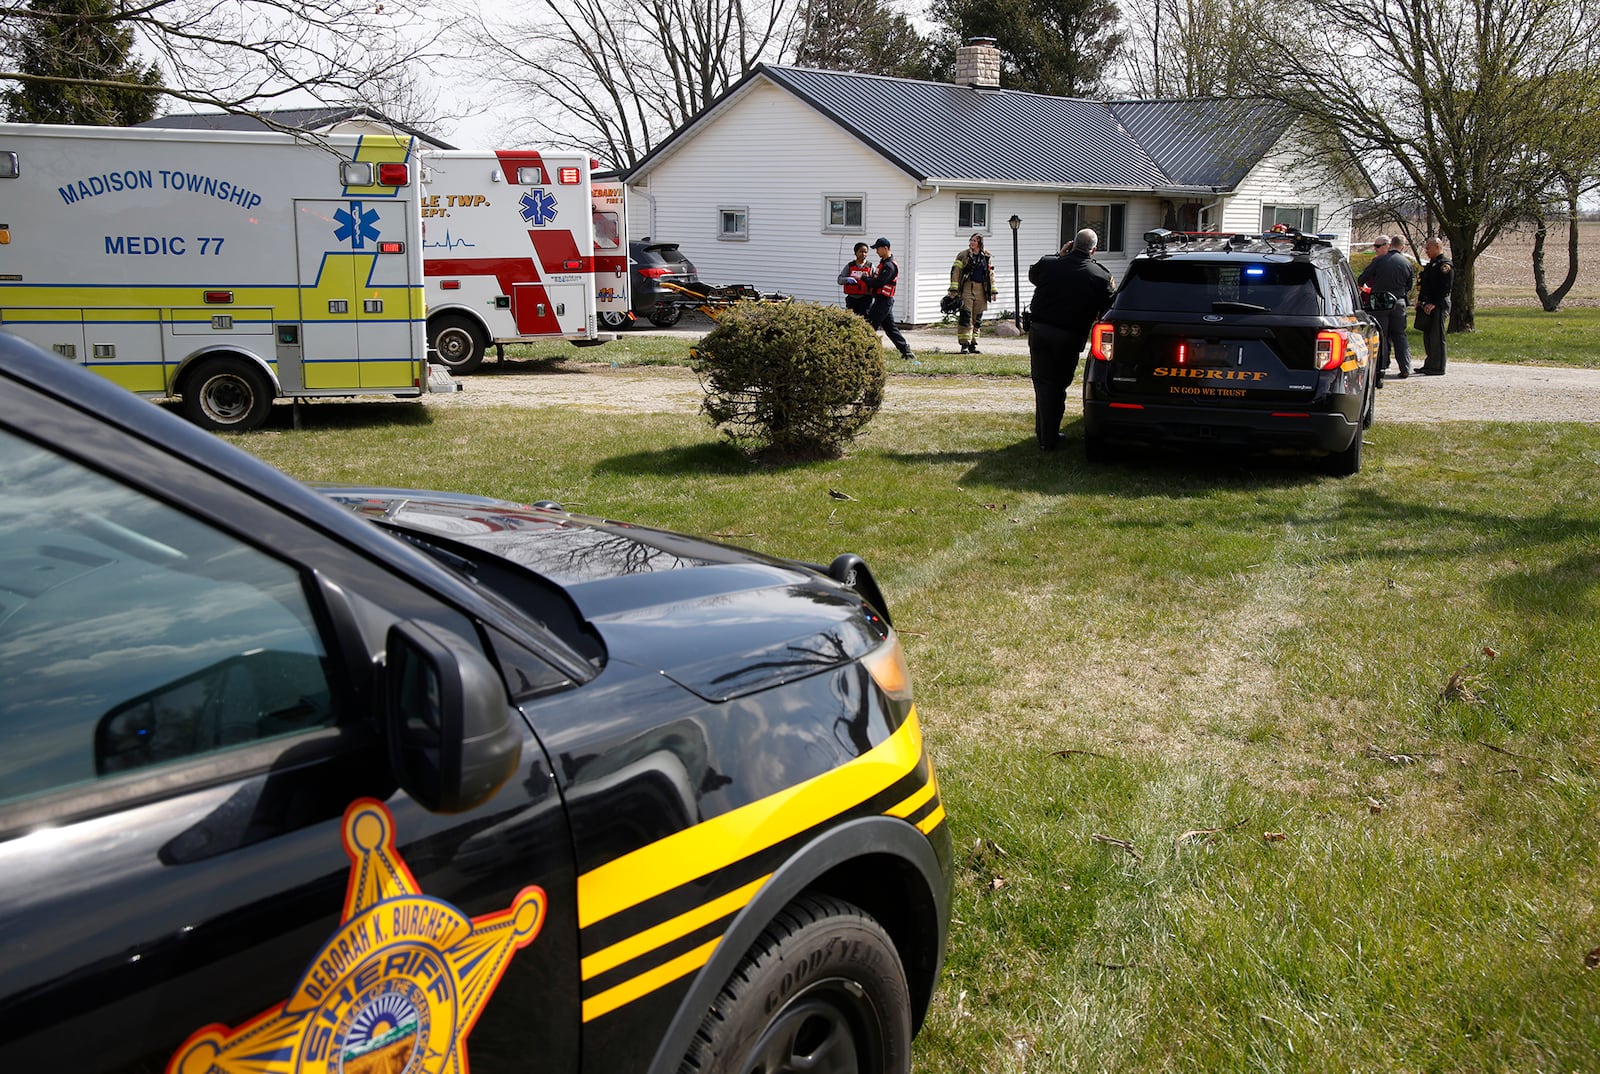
x: 225, y: 268
x: 519, y: 245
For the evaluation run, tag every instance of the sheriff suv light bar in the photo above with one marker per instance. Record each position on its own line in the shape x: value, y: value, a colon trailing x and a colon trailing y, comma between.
x: 1161, y: 240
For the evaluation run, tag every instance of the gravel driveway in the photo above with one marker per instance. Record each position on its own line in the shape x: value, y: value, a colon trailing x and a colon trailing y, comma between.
x: 1470, y: 392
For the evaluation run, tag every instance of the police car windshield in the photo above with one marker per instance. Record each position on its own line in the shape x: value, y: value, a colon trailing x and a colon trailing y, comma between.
x: 1235, y: 285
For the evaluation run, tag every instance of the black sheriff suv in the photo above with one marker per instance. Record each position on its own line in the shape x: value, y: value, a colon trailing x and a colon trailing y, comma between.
x: 361, y: 780
x: 1253, y: 342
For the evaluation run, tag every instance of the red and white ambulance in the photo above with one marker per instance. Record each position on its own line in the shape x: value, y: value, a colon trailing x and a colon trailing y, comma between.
x: 518, y: 245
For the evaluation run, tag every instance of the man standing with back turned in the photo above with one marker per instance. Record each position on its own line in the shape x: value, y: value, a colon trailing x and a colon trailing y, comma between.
x: 1071, y: 291
x: 1391, y: 272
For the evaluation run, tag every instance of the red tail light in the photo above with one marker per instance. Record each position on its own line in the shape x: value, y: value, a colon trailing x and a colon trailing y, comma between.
x: 394, y: 174
x: 1183, y: 354
x: 1101, y: 339
x: 1332, y: 348
x: 653, y: 273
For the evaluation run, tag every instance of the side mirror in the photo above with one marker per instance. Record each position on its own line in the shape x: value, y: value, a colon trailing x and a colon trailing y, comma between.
x: 452, y: 736
x: 1384, y: 300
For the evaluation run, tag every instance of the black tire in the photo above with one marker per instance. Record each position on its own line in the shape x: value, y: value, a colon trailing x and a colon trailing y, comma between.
x: 456, y: 342
x: 1346, y: 463
x: 611, y: 321
x: 1372, y: 405
x: 822, y: 990
x: 227, y: 394
x: 665, y: 316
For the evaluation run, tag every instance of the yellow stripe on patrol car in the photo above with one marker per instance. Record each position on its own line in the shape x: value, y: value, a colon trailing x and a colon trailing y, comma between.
x: 705, y: 848
x: 642, y: 985
x: 915, y: 800
x: 652, y: 938
x: 932, y: 820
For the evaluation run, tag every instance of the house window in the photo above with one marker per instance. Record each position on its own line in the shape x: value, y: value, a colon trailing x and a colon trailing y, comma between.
x: 1106, y: 218
x: 843, y: 212
x: 1302, y: 218
x: 972, y: 214
x: 735, y: 225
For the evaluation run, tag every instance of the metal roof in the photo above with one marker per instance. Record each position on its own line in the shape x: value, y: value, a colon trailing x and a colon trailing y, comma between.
x: 1207, y: 141
x: 303, y: 119
x: 946, y: 133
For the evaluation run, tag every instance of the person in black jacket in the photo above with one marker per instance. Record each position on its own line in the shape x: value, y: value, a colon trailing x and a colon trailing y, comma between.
x: 1391, y: 272
x: 1070, y: 292
x: 1433, y: 304
x: 884, y: 280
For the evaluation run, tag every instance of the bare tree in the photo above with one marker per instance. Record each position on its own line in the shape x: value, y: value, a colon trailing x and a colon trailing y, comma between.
x: 1191, y: 48
x: 237, y: 56
x: 615, y: 77
x: 1446, y: 101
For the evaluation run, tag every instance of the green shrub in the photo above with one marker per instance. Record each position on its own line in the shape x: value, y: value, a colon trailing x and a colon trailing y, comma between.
x: 791, y: 380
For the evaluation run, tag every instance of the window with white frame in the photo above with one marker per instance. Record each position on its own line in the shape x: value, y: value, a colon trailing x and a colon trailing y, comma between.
x: 1302, y: 218
x: 843, y: 212
x: 972, y: 214
x: 734, y: 223
x: 1107, y: 219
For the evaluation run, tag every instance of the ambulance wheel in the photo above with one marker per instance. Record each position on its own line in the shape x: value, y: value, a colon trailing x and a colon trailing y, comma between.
x: 612, y: 321
x: 227, y: 395
x: 457, y: 343
x: 821, y: 990
x: 665, y: 316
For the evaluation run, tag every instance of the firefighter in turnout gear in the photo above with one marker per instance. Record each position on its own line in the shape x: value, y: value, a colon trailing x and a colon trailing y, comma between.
x: 972, y: 282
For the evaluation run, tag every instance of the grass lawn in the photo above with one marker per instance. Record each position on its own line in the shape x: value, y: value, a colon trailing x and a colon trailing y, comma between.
x: 1509, y: 334
x: 1247, y: 768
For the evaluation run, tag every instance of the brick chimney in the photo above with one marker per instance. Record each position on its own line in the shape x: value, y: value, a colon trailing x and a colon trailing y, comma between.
x: 978, y: 64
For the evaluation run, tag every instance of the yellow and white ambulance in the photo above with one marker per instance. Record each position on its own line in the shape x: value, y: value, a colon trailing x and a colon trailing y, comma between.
x: 224, y: 268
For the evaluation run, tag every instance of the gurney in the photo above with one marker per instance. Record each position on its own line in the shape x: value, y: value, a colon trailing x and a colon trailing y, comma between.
x: 712, y: 300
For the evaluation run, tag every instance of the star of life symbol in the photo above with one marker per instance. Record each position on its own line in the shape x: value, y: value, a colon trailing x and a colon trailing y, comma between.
x: 397, y: 988
x: 357, y: 225
x: 538, y: 207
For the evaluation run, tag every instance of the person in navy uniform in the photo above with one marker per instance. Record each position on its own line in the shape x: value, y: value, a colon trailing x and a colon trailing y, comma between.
x: 881, y: 316
x: 972, y: 283
x: 1433, y: 304
x: 1070, y: 292
x: 856, y: 279
x: 1391, y: 272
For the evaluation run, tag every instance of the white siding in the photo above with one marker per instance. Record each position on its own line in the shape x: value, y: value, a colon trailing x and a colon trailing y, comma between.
x: 778, y: 158
x: 1291, y: 175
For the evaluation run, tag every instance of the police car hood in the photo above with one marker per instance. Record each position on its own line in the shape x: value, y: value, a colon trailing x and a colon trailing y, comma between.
x: 696, y: 610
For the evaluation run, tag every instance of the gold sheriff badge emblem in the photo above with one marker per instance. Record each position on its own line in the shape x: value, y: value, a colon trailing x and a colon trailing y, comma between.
x: 395, y: 991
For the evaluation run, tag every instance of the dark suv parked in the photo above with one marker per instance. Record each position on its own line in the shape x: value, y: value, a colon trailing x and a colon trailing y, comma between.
x: 1251, y: 341
x: 650, y: 264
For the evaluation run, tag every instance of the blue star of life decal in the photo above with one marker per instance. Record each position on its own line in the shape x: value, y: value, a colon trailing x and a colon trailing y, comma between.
x: 357, y: 226
x: 538, y: 207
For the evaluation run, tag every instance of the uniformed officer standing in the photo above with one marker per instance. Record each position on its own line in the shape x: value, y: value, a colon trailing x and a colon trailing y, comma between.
x: 856, y: 279
x: 1433, y: 304
x: 881, y: 315
x: 1391, y: 272
x: 1070, y: 292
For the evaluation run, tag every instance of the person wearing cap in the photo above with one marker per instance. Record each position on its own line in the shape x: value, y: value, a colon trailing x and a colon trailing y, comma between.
x: 1433, y: 304
x: 1391, y: 272
x: 856, y: 279
x: 883, y: 285
x: 1070, y: 292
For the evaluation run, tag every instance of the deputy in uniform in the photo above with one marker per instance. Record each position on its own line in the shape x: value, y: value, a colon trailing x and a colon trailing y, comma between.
x: 884, y: 278
x: 1433, y: 304
x: 1391, y: 272
x: 972, y: 282
x: 1070, y: 292
x: 856, y: 279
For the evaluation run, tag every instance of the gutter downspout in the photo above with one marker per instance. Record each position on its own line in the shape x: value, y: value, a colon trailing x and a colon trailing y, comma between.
x: 1208, y: 207
x: 911, y: 248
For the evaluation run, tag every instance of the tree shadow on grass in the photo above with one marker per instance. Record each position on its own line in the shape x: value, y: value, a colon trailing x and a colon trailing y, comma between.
x: 710, y: 457
x: 1134, y: 471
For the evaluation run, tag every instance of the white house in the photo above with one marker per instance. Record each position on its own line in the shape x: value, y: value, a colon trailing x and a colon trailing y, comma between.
x: 774, y: 183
